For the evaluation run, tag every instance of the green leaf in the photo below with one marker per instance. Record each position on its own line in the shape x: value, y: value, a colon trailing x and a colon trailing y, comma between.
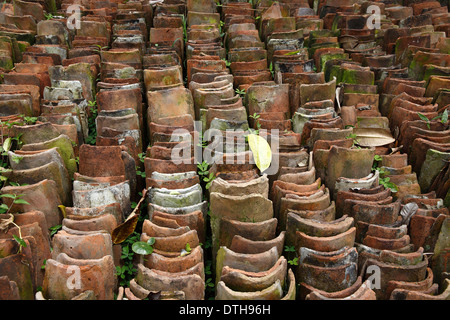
x: 7, y: 195
x: 437, y: 117
x: 16, y: 158
x: 55, y: 229
x: 422, y: 117
x: 393, y: 187
x: 20, y: 241
x: 261, y: 150
x: 20, y: 201
x: 151, y: 241
x: 3, y: 207
x: 377, y: 157
x: 444, y: 118
x: 292, y: 53
x: 142, y: 248
x: 289, y: 248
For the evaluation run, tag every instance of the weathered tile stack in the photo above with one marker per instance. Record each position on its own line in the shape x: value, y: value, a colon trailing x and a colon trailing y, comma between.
x: 176, y: 208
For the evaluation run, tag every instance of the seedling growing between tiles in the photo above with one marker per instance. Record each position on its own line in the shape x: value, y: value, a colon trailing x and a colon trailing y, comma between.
x: 5, y: 223
x: 205, y: 175
x: 354, y: 137
x: 293, y: 262
x: 442, y: 117
x: 424, y: 118
x: 187, y: 250
x: 30, y: 120
x: 127, y: 270
x: 384, y: 181
x: 291, y: 255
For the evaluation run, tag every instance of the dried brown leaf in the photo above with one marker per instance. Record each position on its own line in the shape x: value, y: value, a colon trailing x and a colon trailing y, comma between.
x: 373, y: 137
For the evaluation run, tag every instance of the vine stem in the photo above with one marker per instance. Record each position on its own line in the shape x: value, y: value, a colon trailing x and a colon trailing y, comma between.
x: 20, y: 233
x: 18, y: 227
